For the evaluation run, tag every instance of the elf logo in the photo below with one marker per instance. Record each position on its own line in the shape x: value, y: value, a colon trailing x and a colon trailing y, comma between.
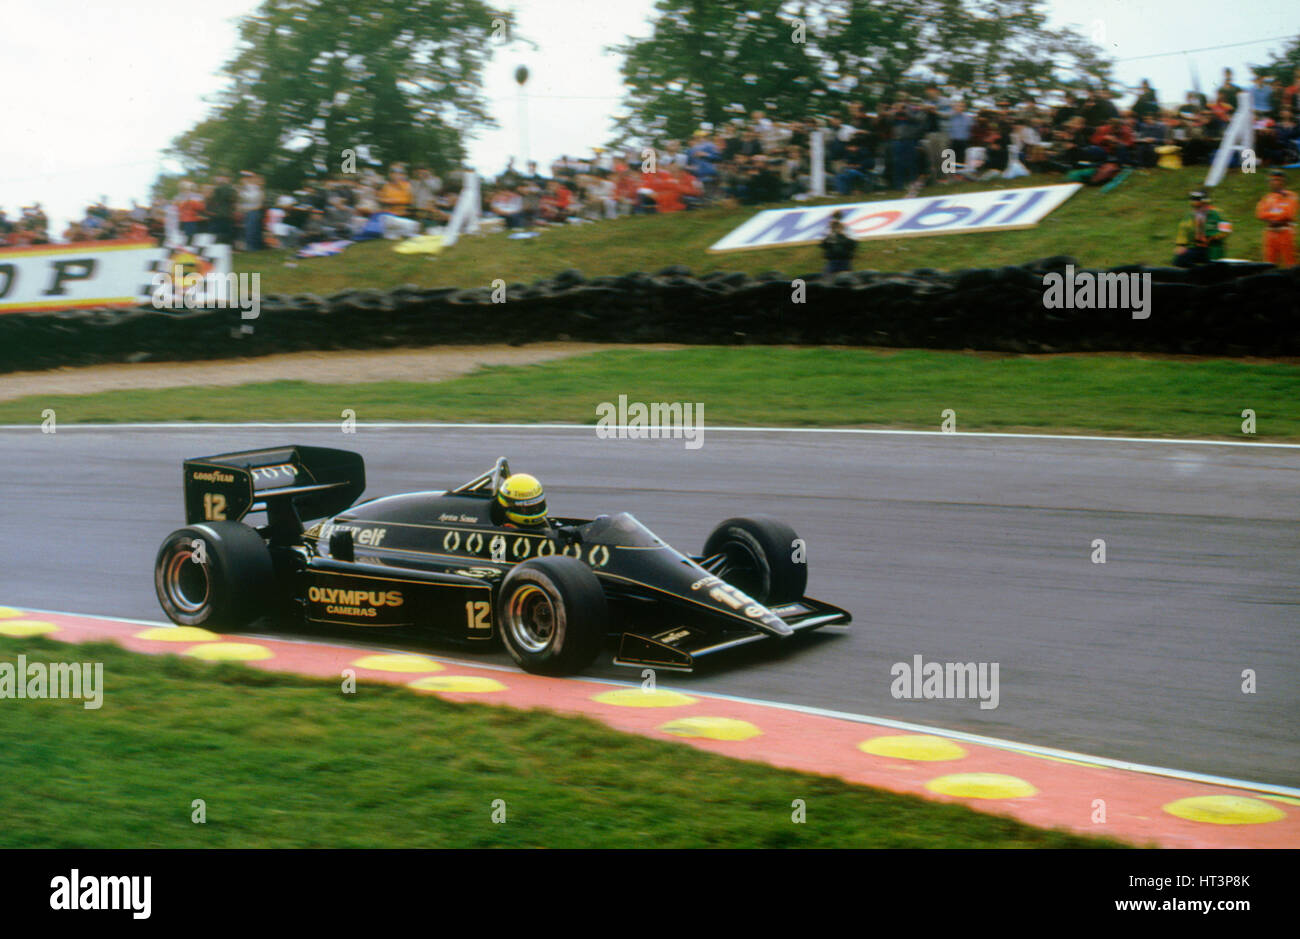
x: 355, y: 597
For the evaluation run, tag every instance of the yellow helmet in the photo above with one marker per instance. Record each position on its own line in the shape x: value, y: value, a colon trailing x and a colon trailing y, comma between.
x: 522, y: 498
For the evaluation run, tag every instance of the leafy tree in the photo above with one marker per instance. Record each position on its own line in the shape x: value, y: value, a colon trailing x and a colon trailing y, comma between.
x: 312, y: 78
x: 709, y: 60
x: 1282, y: 66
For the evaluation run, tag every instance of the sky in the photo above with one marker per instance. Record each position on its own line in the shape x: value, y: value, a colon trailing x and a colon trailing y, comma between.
x: 95, y: 92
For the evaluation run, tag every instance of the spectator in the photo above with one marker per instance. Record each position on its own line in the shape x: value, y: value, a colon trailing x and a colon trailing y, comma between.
x: 395, y: 194
x: 935, y: 115
x: 249, y: 204
x: 1202, y: 234
x: 424, y: 195
x: 1148, y: 135
x: 555, y: 203
x: 627, y: 194
x: 855, y: 171
x: 1115, y: 138
x: 189, y: 209
x: 219, y: 207
x: 701, y: 161
x: 837, y: 247
x: 959, y: 129
x: 508, y: 205
x: 1147, y: 104
x: 905, y: 129
x: 793, y: 172
x: 689, y: 191
x: 1277, y: 210
x: 1229, y: 88
x: 1261, y: 96
x: 596, y: 194
x: 338, y: 220
x: 762, y: 182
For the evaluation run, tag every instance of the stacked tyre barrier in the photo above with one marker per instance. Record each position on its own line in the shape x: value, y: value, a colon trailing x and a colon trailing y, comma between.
x: 1218, y: 309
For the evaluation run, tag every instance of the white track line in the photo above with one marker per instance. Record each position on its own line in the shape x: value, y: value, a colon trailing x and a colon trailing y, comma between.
x: 412, y: 425
x: 978, y: 739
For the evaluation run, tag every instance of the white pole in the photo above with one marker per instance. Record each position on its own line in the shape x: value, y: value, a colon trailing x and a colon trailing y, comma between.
x: 523, y: 129
x: 466, y: 214
x: 1238, y: 135
x: 817, y: 157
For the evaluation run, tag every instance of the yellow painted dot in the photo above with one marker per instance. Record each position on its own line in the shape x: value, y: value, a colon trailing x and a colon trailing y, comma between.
x: 230, y: 652
x: 398, y: 663
x: 913, y: 747
x: 8, y: 612
x: 636, y: 698
x: 981, y: 786
x: 26, y: 627
x: 1225, y: 810
x: 178, y: 634
x: 714, y: 728
x: 461, y: 683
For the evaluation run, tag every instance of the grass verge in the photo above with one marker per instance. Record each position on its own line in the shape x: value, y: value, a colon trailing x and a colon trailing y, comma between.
x: 1134, y: 224
x: 764, y: 386
x: 286, y: 761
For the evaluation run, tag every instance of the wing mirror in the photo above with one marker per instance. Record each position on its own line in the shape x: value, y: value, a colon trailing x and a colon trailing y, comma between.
x: 341, y: 548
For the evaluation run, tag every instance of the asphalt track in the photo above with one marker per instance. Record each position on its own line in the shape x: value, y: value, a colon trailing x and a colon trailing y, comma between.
x: 957, y: 548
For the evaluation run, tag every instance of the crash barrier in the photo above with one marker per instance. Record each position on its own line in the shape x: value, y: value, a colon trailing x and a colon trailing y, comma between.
x: 1220, y: 309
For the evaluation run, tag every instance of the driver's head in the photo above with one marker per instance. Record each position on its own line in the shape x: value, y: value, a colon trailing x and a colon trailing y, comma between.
x: 523, y: 500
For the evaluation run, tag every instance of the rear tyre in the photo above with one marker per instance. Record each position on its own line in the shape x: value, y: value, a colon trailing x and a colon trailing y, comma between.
x: 759, y: 558
x: 552, y: 615
x: 217, y: 574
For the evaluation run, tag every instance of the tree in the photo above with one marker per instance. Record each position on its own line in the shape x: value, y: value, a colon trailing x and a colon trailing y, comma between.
x: 1283, y: 66
x: 708, y: 60
x: 397, y: 78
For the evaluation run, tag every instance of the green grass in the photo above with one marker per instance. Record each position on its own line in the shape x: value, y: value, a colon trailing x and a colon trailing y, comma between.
x: 285, y: 761
x: 1135, y: 223
x: 760, y: 386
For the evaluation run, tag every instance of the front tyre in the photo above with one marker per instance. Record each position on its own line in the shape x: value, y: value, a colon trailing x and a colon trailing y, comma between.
x: 217, y: 574
x: 757, y: 555
x: 551, y: 615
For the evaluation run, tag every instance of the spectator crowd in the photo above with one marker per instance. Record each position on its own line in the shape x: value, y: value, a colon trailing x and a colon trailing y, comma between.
x: 903, y: 145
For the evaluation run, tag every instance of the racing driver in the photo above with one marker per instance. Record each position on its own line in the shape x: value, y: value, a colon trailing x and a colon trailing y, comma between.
x: 520, y: 503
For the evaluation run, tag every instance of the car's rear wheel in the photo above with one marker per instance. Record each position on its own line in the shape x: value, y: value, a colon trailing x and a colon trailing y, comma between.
x: 218, y: 574
x: 552, y: 615
x: 759, y: 555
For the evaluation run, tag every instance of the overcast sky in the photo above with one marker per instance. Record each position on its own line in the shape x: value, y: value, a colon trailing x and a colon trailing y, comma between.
x: 93, y: 92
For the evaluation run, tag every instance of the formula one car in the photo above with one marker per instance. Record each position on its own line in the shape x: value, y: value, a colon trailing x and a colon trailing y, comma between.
x: 443, y: 564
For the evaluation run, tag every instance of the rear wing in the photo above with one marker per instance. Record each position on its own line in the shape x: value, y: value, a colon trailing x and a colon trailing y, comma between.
x: 311, y: 482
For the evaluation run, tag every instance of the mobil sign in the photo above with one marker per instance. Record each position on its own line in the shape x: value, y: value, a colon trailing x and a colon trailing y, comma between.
x: 995, y: 210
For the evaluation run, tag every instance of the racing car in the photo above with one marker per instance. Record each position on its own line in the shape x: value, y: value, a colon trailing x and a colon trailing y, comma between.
x: 444, y: 564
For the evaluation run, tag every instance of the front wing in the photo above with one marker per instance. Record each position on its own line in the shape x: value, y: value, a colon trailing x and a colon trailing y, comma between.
x: 680, y: 648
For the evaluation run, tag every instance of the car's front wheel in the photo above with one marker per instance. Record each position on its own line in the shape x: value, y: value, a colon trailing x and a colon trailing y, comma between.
x: 217, y: 574
x: 759, y: 555
x: 552, y: 615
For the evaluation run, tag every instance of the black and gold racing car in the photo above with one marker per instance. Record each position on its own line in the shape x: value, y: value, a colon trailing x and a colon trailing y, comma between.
x: 440, y: 564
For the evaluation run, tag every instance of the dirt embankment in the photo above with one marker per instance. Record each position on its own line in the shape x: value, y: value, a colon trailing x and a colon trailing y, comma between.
x: 438, y: 363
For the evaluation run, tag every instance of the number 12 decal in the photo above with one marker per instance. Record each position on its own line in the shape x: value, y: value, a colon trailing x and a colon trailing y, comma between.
x: 476, y: 614
x: 214, y: 506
